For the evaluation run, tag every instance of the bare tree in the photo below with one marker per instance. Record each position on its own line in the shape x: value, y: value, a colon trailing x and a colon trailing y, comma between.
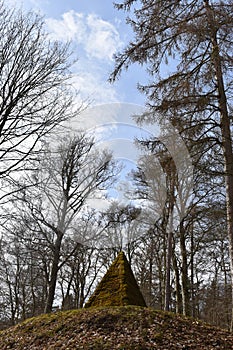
x: 22, y: 282
x: 34, y: 93
x: 69, y: 174
x: 78, y: 276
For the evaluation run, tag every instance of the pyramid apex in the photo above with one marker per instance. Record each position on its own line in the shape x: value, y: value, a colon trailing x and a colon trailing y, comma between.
x: 121, y: 254
x: 118, y: 287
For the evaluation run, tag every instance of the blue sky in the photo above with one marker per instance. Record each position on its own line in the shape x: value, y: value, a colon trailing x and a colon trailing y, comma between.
x: 97, y: 31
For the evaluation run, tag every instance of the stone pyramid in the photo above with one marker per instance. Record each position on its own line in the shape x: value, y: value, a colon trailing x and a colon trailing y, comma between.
x: 118, y: 286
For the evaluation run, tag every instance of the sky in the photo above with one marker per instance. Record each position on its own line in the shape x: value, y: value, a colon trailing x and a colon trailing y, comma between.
x: 97, y: 31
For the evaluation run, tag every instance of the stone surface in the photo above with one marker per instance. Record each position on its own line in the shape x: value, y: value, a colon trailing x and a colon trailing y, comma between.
x: 118, y: 287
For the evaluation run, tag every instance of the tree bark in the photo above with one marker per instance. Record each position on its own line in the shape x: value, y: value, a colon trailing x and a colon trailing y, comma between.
x: 168, y: 270
x: 171, y: 197
x: 177, y: 284
x: 184, y: 273
x: 226, y: 136
x: 53, y: 277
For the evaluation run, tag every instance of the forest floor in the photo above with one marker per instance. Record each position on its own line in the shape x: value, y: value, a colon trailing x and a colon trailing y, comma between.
x: 112, y: 328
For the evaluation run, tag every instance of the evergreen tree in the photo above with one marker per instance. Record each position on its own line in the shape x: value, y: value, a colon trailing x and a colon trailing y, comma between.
x: 194, y: 39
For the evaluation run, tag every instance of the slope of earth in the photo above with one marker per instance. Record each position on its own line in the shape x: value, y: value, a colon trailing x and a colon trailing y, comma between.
x: 126, y: 327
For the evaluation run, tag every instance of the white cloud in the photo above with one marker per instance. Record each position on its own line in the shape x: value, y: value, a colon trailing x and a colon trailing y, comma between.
x: 98, y: 38
x: 71, y: 27
x: 103, y: 39
x: 92, y: 87
x: 94, y: 42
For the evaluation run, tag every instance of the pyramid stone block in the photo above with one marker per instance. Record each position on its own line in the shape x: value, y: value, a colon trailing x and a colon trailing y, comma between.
x: 118, y: 286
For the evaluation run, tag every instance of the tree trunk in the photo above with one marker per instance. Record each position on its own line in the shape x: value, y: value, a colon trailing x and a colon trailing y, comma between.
x: 177, y: 284
x: 184, y: 273
x: 54, y: 272
x: 226, y: 136
x: 150, y: 282
x: 168, y: 268
x: 171, y: 175
x: 192, y: 289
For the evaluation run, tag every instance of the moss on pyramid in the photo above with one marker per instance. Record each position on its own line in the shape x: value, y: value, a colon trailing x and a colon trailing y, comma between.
x: 118, y: 286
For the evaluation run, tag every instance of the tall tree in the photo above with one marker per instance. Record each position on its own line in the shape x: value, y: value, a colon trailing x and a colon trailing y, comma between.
x: 34, y: 93
x: 68, y: 176
x: 194, y: 37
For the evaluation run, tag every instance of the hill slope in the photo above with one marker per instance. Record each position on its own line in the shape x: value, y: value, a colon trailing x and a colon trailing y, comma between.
x: 127, y: 327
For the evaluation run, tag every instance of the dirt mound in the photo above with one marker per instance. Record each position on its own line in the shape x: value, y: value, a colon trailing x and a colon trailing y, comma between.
x: 126, y: 327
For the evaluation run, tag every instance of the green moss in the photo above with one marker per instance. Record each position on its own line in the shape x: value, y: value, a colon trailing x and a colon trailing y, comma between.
x: 118, y: 286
